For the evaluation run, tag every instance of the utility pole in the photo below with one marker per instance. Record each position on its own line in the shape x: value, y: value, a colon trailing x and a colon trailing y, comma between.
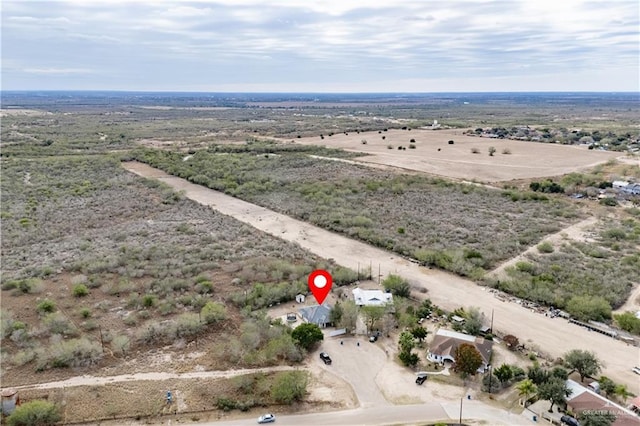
x: 461, y: 399
x: 492, y: 333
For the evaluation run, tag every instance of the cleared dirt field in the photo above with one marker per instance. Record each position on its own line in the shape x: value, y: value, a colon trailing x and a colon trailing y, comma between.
x: 434, y: 155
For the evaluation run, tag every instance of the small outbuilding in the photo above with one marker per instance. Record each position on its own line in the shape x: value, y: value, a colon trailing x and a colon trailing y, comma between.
x: 10, y: 400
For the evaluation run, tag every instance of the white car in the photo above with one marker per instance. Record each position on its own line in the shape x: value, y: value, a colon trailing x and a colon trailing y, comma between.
x: 267, y: 418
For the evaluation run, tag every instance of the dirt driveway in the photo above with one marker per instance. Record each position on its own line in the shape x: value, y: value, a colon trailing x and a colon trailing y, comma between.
x: 553, y: 336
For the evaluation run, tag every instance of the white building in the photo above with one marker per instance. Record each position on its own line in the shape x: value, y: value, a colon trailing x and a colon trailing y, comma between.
x: 371, y: 297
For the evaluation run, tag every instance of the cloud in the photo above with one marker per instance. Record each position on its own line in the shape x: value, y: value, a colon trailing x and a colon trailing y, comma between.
x: 57, y: 71
x: 355, y: 41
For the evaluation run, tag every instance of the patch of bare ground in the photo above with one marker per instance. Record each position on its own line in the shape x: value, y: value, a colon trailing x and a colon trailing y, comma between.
x: 434, y: 155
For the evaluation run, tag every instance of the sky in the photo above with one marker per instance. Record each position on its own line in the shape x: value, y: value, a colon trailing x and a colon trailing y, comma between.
x: 321, y: 45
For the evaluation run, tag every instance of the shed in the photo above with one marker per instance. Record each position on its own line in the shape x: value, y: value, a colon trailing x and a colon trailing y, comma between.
x: 300, y: 298
x: 10, y: 399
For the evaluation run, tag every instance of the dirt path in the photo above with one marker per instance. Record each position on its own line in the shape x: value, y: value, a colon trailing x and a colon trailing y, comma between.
x: 99, y: 380
x: 573, y: 232
x: 553, y: 336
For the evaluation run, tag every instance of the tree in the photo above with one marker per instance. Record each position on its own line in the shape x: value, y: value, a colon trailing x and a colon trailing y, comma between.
x: 349, y: 316
x: 589, y: 308
x: 622, y: 392
x: 372, y: 314
x: 554, y: 390
x: 307, y: 335
x: 628, y: 322
x: 596, y: 418
x: 397, y: 285
x: 473, y: 321
x: 468, y: 359
x: 419, y: 333
x: 537, y: 375
x: 336, y: 314
x: 290, y: 386
x: 406, y: 342
x: 504, y: 373
x: 560, y: 372
x: 409, y: 359
x: 511, y: 341
x: 607, y: 386
x: 526, y: 388
x: 584, y: 362
x: 213, y: 312
x: 492, y: 150
x: 34, y: 413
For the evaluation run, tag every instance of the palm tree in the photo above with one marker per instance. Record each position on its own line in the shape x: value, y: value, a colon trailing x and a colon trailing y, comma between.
x: 622, y: 392
x: 526, y: 388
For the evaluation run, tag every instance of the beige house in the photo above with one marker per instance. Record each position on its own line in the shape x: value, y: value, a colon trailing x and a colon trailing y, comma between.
x: 443, y: 347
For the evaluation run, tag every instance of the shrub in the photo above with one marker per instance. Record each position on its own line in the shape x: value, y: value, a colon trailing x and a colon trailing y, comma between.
x: 475, y: 151
x: 213, y: 312
x: 80, y: 290
x: 412, y: 146
x: 609, y: 201
x: 69, y: 353
x: 34, y: 413
x: 46, y: 306
x: 290, y: 386
x: 506, y: 151
x: 85, y: 312
x: 57, y: 323
x: 492, y: 150
x: 149, y: 300
x: 545, y: 247
x: 450, y: 142
x: 397, y: 285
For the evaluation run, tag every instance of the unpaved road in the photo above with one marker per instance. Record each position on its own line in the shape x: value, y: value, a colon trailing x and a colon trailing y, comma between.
x: 87, y: 380
x: 553, y: 336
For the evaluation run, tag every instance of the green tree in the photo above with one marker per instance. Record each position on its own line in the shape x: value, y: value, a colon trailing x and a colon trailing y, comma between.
x: 336, y: 314
x: 504, y: 373
x: 537, y: 374
x: 554, y: 390
x: 290, y: 386
x: 589, y: 308
x: 584, y: 362
x: 397, y: 285
x: 473, y: 321
x: 307, y: 335
x: 213, y: 312
x: 409, y: 359
x: 372, y: 314
x: 597, y: 418
x: 406, y: 342
x: 34, y: 413
x: 349, y: 316
x: 560, y: 372
x: 468, y: 359
x: 622, y: 392
x: 607, y: 386
x: 526, y: 388
x: 419, y: 333
x: 628, y: 322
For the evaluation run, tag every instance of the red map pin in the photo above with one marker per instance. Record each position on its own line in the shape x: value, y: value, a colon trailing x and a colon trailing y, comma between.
x: 320, y: 282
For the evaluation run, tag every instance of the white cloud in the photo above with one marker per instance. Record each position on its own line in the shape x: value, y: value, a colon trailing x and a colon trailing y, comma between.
x: 355, y: 41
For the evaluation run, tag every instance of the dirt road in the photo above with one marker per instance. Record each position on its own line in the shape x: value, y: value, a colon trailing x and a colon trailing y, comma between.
x: 553, y: 336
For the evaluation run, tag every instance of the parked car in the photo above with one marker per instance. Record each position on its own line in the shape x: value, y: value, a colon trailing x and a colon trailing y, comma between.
x: 569, y: 421
x: 421, y: 379
x: 373, y: 338
x: 325, y: 358
x: 636, y: 370
x: 267, y: 418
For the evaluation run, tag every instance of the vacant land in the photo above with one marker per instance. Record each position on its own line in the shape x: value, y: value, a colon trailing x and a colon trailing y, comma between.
x: 432, y: 153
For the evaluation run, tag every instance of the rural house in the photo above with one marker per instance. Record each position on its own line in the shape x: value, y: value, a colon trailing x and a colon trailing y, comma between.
x: 371, y: 297
x: 444, y: 345
x: 318, y: 314
x: 583, y: 399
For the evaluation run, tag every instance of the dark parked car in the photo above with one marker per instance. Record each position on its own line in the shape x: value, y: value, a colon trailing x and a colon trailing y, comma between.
x: 569, y: 421
x: 325, y: 358
x: 421, y: 379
